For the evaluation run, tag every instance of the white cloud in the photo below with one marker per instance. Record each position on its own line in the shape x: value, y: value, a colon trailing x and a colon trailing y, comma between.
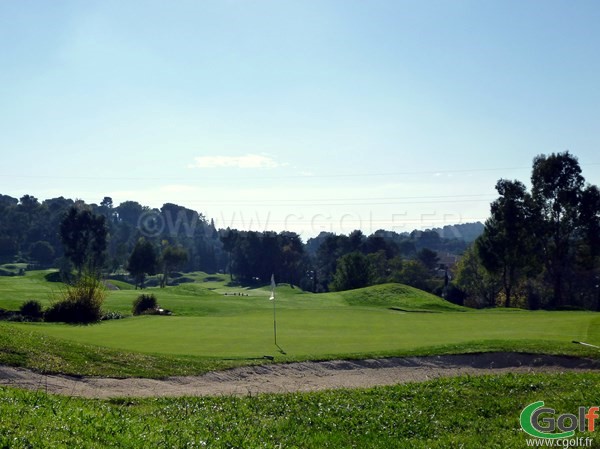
x: 247, y: 161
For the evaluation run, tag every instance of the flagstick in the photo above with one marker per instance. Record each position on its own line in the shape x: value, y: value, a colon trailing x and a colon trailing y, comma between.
x: 274, y: 323
x: 272, y: 298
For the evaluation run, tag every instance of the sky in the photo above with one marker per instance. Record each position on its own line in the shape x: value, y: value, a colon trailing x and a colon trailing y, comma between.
x: 307, y: 115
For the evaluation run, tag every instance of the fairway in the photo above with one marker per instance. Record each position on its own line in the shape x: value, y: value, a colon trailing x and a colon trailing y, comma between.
x: 214, y: 321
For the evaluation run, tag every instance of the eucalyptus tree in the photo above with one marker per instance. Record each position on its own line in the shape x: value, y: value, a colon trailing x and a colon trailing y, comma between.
x: 506, y: 247
x: 557, y: 190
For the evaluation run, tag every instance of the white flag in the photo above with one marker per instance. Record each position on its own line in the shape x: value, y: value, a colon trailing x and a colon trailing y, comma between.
x: 272, y: 288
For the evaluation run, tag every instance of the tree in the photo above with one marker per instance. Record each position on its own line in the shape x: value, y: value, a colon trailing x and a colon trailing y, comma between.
x: 428, y: 258
x: 353, y: 271
x: 84, y: 237
x: 8, y: 247
x: 590, y: 246
x: 28, y: 203
x: 557, y: 186
x: 229, y: 238
x: 142, y: 261
x: 415, y: 274
x: 291, y: 254
x: 481, y: 286
x: 107, y: 202
x: 106, y: 207
x: 42, y: 252
x: 327, y: 255
x: 506, y: 246
x: 171, y: 259
x: 380, y: 268
x: 130, y: 212
x: 547, y: 243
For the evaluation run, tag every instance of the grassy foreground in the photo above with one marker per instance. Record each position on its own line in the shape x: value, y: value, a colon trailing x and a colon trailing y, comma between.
x: 479, y: 412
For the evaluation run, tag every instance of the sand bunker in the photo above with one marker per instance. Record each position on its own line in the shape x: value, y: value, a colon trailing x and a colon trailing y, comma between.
x: 302, y: 376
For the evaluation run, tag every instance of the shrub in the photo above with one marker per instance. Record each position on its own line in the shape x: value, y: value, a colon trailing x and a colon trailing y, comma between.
x: 112, y: 316
x: 55, y: 276
x: 182, y: 280
x: 145, y: 303
x: 80, y: 303
x: 32, y: 309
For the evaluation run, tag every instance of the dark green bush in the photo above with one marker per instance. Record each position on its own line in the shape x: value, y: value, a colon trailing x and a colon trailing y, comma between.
x: 145, y: 303
x: 32, y: 309
x: 80, y: 303
x: 55, y: 276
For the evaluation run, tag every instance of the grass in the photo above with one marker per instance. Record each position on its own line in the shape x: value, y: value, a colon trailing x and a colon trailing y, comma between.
x: 16, y: 290
x: 12, y: 269
x: 398, y: 297
x: 46, y: 354
x: 461, y: 413
x: 216, y: 327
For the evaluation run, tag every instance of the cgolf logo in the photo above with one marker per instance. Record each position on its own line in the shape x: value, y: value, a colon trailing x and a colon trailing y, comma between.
x: 539, y: 421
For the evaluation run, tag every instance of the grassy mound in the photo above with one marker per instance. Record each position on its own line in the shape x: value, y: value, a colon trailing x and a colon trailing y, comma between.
x: 401, y: 297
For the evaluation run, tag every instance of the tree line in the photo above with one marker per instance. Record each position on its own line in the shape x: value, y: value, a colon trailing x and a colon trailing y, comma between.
x: 540, y: 247
x: 142, y: 241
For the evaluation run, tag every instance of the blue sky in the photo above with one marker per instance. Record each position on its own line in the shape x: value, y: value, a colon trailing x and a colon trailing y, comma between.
x: 304, y: 115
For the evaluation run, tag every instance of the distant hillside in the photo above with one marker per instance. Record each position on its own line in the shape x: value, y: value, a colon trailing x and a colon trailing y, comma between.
x: 467, y: 232
x: 449, y: 239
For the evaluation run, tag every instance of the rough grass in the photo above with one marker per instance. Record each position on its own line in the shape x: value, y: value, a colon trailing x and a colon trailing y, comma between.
x: 480, y: 412
x: 46, y: 354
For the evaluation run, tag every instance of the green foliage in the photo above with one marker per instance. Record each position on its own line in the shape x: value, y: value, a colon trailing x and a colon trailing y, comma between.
x: 32, y: 309
x: 84, y: 236
x: 251, y: 257
x: 42, y: 252
x: 172, y: 258
x: 544, y: 246
x: 53, y: 276
x: 353, y: 271
x: 428, y: 258
x: 144, y: 303
x: 257, y: 255
x: 415, y: 274
x: 143, y: 261
x: 507, y: 248
x: 480, y: 286
x: 80, y: 303
x: 557, y: 189
x: 463, y: 412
